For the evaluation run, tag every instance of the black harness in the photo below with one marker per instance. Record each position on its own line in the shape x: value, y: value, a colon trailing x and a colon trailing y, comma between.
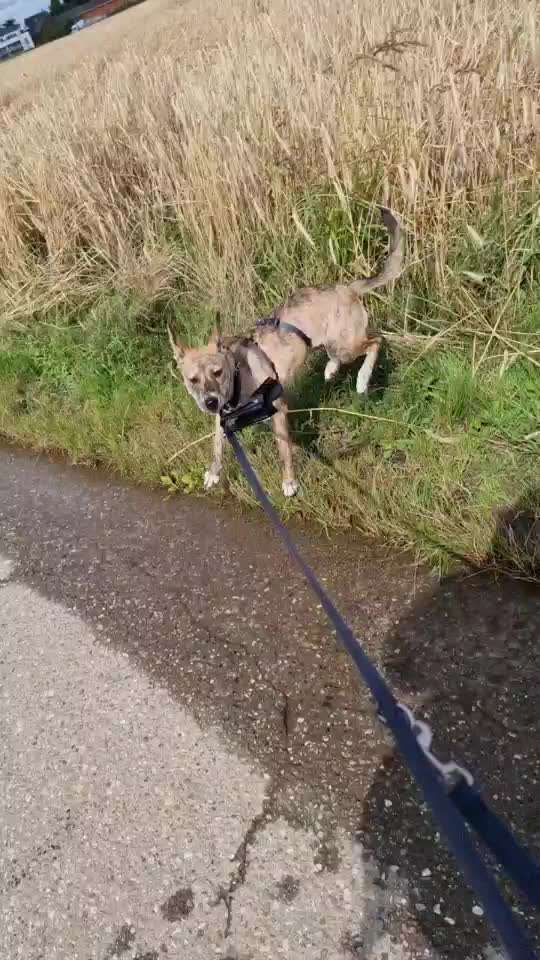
x: 260, y: 405
x: 235, y: 396
x: 277, y: 324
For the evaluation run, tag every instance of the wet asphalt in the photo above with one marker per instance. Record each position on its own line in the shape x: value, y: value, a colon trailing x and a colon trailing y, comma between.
x: 204, y: 603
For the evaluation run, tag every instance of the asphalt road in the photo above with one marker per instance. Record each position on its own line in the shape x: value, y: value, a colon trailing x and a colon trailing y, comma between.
x: 189, y: 767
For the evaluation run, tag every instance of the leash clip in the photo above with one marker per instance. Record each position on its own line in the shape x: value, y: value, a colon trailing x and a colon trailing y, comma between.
x: 450, y: 772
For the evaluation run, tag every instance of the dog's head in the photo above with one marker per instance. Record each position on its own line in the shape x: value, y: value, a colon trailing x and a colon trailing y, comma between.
x: 208, y: 372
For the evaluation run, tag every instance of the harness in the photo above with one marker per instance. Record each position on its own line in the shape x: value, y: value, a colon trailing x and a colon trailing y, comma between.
x: 235, y: 397
x: 277, y: 324
x: 260, y: 405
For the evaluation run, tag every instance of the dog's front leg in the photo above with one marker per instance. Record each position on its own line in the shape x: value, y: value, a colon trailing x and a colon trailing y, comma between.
x: 283, y: 440
x: 212, y: 475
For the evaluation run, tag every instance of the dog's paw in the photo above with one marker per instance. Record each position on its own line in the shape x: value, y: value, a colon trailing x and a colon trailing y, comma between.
x: 211, y: 479
x: 289, y: 487
x: 331, y: 369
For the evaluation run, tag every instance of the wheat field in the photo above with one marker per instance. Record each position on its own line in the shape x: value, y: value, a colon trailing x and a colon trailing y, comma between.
x: 206, y: 124
x: 21, y: 76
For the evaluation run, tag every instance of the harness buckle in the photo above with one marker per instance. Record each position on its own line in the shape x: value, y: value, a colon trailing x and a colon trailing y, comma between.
x: 271, y: 321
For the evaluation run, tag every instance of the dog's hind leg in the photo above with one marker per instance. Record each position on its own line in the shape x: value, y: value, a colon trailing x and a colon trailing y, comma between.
x: 212, y: 475
x: 366, y: 370
x: 284, y: 445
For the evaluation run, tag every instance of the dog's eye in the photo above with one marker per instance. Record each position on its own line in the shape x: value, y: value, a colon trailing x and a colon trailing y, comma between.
x: 193, y: 380
x: 218, y: 372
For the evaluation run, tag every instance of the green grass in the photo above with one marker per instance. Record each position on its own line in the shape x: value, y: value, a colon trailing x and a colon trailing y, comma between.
x: 447, y: 439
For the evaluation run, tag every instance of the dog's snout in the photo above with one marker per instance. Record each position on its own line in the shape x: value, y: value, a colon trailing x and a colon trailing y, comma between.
x: 211, y: 404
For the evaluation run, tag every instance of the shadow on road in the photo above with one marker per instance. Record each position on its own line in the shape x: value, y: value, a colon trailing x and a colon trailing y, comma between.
x: 467, y: 659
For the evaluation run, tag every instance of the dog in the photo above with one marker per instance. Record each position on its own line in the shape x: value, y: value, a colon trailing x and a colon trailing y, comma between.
x: 228, y: 370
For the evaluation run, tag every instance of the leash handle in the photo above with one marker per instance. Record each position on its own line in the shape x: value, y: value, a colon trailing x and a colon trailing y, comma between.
x: 444, y: 811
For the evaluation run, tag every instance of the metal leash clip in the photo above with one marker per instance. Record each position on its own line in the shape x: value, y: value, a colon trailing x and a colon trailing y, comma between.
x: 450, y: 772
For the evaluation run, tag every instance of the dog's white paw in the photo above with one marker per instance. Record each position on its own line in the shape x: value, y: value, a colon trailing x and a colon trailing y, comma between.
x: 289, y: 487
x: 211, y: 479
x: 331, y: 369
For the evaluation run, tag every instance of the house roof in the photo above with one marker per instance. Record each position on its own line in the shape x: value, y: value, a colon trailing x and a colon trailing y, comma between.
x: 9, y: 29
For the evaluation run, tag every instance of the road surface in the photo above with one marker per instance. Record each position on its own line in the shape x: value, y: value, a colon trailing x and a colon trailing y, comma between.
x: 189, y: 766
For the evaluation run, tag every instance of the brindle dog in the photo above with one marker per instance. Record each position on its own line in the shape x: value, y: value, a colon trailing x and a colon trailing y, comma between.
x: 332, y: 318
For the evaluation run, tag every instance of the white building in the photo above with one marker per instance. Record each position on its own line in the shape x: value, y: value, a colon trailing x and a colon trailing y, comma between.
x: 14, y: 40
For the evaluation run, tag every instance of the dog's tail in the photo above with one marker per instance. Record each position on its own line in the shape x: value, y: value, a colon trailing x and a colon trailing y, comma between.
x: 393, y: 265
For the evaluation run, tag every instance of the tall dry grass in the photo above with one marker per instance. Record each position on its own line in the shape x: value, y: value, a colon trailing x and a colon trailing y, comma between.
x: 172, y: 158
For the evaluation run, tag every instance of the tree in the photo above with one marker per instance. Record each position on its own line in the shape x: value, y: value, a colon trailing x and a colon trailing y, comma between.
x: 56, y: 8
x: 10, y: 24
x: 53, y: 29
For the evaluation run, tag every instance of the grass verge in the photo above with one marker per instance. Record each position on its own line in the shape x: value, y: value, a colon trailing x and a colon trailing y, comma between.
x: 446, y: 443
x: 232, y: 154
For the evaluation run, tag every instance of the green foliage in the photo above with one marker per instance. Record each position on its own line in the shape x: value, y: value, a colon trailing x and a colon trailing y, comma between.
x: 449, y: 436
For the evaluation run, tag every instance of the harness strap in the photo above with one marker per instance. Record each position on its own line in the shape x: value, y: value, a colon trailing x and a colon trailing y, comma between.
x: 278, y: 324
x: 233, y: 402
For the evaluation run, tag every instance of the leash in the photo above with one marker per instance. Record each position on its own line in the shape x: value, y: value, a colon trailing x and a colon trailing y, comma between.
x: 448, y: 788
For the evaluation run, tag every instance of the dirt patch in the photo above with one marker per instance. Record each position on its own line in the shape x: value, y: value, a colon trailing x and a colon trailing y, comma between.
x: 179, y: 905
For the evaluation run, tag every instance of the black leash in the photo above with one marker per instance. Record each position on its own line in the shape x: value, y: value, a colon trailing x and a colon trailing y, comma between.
x: 447, y: 788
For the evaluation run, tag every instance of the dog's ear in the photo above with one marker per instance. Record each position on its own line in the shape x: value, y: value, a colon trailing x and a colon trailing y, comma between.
x: 216, y: 338
x: 177, y: 348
